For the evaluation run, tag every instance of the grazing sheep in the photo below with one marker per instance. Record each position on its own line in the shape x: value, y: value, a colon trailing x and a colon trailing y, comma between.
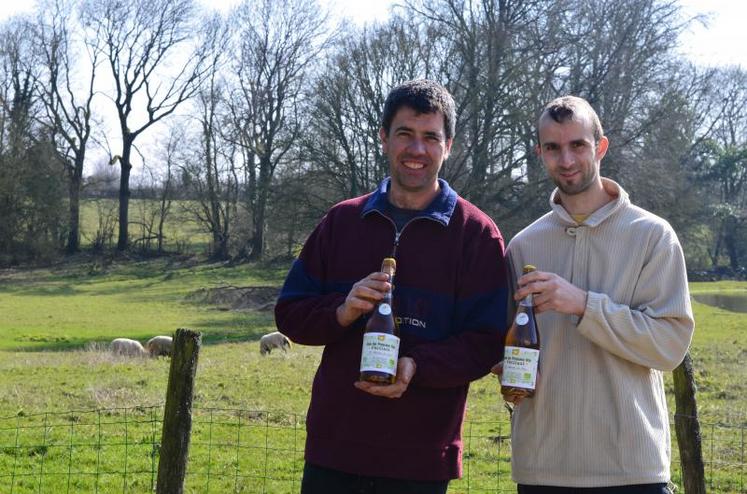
x: 127, y: 347
x: 159, y: 345
x: 273, y: 340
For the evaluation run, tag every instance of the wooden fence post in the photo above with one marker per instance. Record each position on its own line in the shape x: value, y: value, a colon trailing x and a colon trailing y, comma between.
x: 687, y: 428
x: 177, y: 415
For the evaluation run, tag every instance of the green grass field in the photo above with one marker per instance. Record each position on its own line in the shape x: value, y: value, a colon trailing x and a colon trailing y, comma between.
x: 74, y: 418
x: 181, y: 231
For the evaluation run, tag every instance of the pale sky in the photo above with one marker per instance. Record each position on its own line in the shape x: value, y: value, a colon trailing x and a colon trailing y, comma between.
x: 722, y: 42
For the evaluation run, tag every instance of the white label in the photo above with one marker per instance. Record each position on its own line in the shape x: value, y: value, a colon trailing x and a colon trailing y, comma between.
x: 522, y: 319
x: 380, y: 353
x: 520, y: 367
x: 385, y: 309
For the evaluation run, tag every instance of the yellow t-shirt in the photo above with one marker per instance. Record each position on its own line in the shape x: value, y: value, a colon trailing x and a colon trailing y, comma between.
x: 579, y: 218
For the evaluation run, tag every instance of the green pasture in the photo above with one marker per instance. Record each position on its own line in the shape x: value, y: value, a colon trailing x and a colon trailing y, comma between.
x: 94, y: 301
x: 74, y: 418
x: 181, y: 231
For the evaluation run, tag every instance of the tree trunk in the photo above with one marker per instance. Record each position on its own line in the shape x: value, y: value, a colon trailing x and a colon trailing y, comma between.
x: 223, y: 248
x: 73, y: 236
x: 731, y: 241
x: 123, y: 242
x: 160, y: 230
x: 258, y: 238
x: 260, y: 208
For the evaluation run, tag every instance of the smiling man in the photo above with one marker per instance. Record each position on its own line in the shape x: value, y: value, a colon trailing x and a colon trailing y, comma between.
x: 450, y: 299
x: 416, y: 145
x: 613, y: 311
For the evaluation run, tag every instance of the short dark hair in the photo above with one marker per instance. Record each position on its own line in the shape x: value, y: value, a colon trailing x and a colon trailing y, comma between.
x: 568, y: 108
x: 423, y: 96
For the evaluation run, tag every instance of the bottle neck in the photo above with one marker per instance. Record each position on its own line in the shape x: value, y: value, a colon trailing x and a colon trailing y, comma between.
x: 527, y: 301
x: 388, y: 294
x: 384, y: 307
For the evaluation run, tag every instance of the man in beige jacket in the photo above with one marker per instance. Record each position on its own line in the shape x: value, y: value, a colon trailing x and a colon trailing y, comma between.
x: 614, y: 313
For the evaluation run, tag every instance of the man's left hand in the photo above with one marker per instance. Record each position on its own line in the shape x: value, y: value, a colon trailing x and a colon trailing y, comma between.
x: 405, y: 370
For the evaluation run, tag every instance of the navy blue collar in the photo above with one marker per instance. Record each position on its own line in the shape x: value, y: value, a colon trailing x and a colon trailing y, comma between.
x: 440, y: 209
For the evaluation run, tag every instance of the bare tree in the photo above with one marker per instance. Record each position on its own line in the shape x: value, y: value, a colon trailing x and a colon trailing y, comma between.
x: 214, y: 175
x: 156, y: 64
x: 509, y: 57
x: 343, y: 141
x: 158, y: 185
x: 483, y: 71
x: 621, y: 58
x: 277, y: 44
x: 68, y: 111
x: 167, y: 188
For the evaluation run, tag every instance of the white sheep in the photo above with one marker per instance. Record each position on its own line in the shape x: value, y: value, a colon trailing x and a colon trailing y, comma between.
x: 273, y: 340
x: 159, y: 345
x: 127, y: 347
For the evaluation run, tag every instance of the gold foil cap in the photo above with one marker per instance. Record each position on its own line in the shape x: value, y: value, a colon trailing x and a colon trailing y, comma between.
x: 528, y: 268
x: 389, y: 266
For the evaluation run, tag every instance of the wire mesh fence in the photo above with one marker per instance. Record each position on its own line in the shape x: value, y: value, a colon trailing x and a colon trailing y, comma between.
x: 245, y: 451
x: 724, y: 453
x: 111, y: 450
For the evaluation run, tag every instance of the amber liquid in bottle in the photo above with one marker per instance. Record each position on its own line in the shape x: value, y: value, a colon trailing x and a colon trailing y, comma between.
x: 381, y: 340
x: 521, y: 356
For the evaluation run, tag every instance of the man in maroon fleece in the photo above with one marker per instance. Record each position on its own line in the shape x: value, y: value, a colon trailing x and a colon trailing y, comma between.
x: 450, y: 300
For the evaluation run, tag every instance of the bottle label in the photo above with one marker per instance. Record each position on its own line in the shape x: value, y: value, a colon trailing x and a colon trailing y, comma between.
x: 380, y: 353
x: 385, y: 309
x: 522, y: 319
x: 520, y: 367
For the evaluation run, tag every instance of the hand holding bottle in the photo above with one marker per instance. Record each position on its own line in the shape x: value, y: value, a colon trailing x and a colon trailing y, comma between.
x: 551, y: 292
x: 363, y: 297
x: 405, y: 371
x: 515, y: 399
x: 380, y: 352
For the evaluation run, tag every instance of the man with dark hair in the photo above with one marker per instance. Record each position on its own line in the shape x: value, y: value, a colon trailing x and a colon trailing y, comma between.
x: 423, y: 96
x: 450, y: 299
x: 613, y: 310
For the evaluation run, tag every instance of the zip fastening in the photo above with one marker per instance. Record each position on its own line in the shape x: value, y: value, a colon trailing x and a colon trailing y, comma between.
x: 398, y: 233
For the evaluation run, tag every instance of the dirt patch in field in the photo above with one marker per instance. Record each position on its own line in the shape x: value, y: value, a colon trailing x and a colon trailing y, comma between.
x: 261, y: 298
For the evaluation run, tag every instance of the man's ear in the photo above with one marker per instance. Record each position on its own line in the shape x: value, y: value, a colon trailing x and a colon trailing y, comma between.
x: 602, y: 146
x: 449, y: 142
x: 383, y: 137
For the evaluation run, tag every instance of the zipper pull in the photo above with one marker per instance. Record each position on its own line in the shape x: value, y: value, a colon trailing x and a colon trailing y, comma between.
x: 396, y: 244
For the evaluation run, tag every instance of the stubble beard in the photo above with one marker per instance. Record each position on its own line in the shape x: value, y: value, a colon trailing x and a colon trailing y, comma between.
x: 425, y: 183
x: 420, y: 186
x: 574, y: 189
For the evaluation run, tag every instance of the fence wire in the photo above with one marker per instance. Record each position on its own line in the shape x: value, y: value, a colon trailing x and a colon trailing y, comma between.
x: 248, y: 451
x: 106, y: 450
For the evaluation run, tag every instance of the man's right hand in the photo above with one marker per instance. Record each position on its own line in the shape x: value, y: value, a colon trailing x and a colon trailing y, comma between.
x: 363, y: 297
x: 552, y: 292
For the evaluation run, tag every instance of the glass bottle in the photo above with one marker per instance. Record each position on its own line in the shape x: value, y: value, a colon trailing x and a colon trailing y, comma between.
x: 522, y: 351
x: 381, y: 340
